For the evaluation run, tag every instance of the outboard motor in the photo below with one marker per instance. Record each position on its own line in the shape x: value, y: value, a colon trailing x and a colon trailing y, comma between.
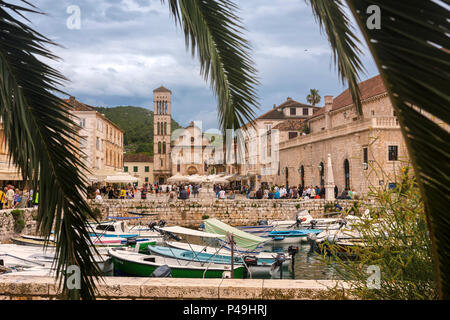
x: 162, y: 223
x: 162, y: 272
x: 342, y: 223
x: 131, y: 242
x: 250, y: 261
x: 313, y: 224
x: 152, y: 226
x: 262, y: 222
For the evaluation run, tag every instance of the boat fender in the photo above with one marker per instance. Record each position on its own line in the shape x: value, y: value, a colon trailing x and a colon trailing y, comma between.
x: 162, y: 272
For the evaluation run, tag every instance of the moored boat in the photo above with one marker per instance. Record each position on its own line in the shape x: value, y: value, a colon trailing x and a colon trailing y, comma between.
x: 142, y: 265
x: 291, y: 236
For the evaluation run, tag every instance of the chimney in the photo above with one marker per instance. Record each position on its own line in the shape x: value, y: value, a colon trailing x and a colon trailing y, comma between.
x: 72, y: 99
x: 274, y: 105
x: 328, y: 103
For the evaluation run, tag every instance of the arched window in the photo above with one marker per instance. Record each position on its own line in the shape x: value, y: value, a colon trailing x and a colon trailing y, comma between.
x: 165, y: 128
x: 159, y: 131
x: 347, y: 174
x: 164, y: 147
x: 159, y: 147
x: 205, y: 166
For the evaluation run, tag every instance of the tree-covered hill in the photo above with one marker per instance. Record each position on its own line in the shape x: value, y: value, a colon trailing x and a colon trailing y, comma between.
x: 137, y: 122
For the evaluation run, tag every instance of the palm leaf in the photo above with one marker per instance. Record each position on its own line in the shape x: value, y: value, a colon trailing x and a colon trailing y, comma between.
x: 411, y: 53
x: 213, y: 31
x: 41, y: 139
x: 331, y: 17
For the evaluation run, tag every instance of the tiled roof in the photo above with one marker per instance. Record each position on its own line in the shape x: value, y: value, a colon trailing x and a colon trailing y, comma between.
x: 78, y: 106
x: 162, y: 89
x: 277, y: 112
x: 137, y: 158
x: 291, y: 124
x: 368, y: 88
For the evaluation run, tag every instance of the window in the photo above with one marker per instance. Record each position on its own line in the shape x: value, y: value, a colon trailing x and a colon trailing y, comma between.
x: 97, y: 144
x: 292, y: 112
x: 162, y: 163
x: 159, y: 129
x: 365, y: 158
x: 164, y: 147
x: 83, y: 142
x: 159, y: 147
x: 305, y: 111
x: 147, y: 169
x: 146, y: 179
x: 165, y: 128
x: 125, y: 169
x: 292, y: 135
x: 393, y: 153
x: 82, y: 122
x: 135, y: 169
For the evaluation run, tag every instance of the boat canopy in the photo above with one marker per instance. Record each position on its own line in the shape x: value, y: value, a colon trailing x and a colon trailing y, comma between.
x: 123, y: 218
x: 190, y: 232
x: 243, y: 239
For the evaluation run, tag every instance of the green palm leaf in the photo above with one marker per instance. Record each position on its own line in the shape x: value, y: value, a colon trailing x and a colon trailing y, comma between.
x: 213, y: 30
x: 410, y: 52
x: 40, y: 136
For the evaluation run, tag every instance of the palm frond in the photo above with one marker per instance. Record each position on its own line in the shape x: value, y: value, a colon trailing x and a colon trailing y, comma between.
x: 41, y: 139
x: 411, y: 53
x: 213, y: 31
x: 344, y: 43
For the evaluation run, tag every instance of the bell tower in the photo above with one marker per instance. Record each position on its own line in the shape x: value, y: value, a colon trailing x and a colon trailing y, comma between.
x: 162, y: 100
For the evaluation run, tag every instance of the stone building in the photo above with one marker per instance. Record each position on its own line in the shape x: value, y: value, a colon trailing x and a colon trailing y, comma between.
x: 100, y: 142
x: 139, y: 166
x: 258, y: 162
x: 162, y: 100
x: 9, y: 173
x: 366, y: 151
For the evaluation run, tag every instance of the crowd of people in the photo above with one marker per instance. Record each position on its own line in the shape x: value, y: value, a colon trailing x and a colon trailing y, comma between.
x: 13, y: 198
x: 187, y: 191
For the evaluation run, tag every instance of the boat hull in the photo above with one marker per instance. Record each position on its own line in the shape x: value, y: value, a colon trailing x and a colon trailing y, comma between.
x: 127, y: 267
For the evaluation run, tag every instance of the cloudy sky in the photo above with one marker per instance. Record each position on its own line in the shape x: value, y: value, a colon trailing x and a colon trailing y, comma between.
x: 126, y: 48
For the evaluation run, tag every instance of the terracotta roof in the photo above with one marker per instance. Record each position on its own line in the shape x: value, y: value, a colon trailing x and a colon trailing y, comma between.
x: 275, y: 114
x: 162, y: 89
x: 77, y: 105
x: 369, y: 88
x: 291, y: 124
x: 137, y: 158
x: 292, y: 103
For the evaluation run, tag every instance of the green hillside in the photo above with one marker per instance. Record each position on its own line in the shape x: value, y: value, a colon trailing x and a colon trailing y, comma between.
x: 137, y: 122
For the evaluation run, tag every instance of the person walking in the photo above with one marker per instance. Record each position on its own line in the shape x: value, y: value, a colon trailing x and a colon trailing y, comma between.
x: 10, y: 198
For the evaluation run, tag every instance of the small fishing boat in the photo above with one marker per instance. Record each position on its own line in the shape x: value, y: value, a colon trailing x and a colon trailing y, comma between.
x: 291, y: 236
x: 263, y: 257
x: 141, y: 265
x: 202, y: 256
x: 32, y: 241
x: 117, y: 228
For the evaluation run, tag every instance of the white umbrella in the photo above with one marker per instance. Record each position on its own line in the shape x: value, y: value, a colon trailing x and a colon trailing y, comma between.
x: 177, y: 178
x: 121, y: 178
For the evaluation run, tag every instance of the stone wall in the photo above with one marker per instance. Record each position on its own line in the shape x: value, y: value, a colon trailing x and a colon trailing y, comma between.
x: 7, y: 223
x: 118, y: 288
x: 190, y: 213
